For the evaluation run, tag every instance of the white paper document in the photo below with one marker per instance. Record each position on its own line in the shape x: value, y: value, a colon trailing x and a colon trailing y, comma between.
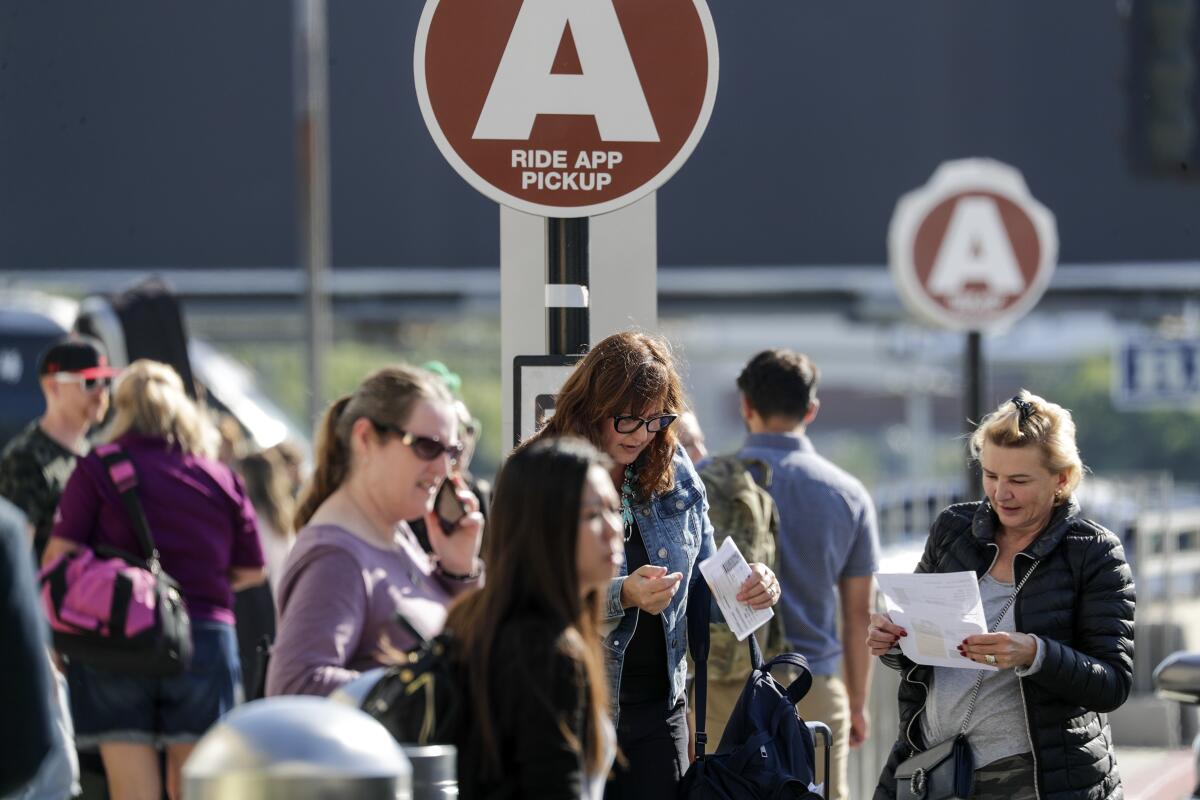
x: 938, y: 610
x: 726, y: 571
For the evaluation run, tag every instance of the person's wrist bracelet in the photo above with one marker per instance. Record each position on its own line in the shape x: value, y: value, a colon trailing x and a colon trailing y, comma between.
x: 454, y: 576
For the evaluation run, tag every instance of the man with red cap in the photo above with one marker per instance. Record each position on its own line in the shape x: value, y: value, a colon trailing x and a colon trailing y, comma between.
x: 34, y: 466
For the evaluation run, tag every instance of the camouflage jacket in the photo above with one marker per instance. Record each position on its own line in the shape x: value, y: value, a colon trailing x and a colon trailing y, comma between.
x: 33, y: 472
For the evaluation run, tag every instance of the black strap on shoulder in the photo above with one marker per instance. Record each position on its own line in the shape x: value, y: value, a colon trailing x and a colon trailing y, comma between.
x: 124, y: 477
x: 698, y: 614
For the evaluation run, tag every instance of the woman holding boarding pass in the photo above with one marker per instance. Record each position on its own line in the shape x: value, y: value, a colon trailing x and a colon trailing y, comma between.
x: 1059, y: 599
x: 623, y: 397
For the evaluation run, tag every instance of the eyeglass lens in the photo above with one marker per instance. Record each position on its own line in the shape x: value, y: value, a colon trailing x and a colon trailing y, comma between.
x: 653, y: 425
x: 429, y: 449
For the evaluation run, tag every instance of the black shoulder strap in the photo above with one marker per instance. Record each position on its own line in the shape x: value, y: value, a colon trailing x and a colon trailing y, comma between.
x: 698, y: 614
x: 124, y: 477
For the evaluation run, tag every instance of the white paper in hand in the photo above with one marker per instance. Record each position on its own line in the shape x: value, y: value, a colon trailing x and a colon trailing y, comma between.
x: 725, y: 571
x: 939, y: 610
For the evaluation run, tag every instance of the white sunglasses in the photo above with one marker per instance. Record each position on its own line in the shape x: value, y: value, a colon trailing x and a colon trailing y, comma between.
x: 89, y: 384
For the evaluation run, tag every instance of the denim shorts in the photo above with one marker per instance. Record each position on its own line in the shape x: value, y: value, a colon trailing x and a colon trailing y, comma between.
x: 136, y: 709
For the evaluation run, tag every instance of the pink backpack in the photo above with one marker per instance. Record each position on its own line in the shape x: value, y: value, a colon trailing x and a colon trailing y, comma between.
x: 113, y: 610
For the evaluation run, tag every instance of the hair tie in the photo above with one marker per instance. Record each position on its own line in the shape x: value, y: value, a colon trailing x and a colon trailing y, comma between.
x: 1024, y: 409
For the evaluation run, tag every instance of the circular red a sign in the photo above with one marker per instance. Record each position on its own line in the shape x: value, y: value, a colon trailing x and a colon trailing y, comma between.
x: 972, y: 249
x: 566, y: 108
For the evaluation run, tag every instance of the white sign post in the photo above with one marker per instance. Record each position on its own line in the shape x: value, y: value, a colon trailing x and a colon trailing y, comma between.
x: 566, y: 109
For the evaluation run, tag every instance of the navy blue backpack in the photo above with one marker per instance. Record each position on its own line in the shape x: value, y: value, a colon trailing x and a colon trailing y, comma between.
x: 767, y: 751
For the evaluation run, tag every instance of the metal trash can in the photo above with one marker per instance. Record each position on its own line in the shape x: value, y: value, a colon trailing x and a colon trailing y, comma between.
x: 298, y: 748
x: 434, y: 771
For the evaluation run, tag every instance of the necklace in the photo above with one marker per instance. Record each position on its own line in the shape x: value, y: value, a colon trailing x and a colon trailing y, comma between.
x: 626, y: 501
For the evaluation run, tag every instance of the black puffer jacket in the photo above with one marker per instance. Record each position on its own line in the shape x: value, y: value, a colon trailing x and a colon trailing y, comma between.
x: 1080, y: 603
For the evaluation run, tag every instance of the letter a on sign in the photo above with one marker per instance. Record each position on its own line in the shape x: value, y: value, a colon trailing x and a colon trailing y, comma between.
x: 608, y: 89
x: 972, y: 249
x: 976, y: 249
x: 619, y: 91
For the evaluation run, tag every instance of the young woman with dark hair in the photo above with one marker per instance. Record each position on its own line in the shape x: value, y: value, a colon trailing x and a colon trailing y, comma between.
x: 357, y: 570
x: 623, y: 397
x: 529, y: 640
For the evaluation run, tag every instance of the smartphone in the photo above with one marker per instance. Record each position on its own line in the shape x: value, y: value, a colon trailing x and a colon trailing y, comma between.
x: 448, y: 508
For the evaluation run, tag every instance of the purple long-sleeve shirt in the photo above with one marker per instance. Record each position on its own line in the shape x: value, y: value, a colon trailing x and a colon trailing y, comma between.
x: 201, y: 520
x: 338, y: 601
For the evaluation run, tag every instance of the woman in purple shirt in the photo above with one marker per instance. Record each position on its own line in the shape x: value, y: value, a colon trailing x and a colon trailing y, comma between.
x: 357, y: 582
x: 205, y: 531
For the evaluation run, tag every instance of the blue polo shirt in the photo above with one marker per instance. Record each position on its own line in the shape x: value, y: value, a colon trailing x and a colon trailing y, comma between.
x: 827, y: 532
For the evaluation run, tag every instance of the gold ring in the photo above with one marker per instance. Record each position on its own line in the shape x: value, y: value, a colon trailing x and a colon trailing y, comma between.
x: 990, y: 659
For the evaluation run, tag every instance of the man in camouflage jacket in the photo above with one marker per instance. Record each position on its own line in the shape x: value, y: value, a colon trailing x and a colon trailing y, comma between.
x: 36, y: 463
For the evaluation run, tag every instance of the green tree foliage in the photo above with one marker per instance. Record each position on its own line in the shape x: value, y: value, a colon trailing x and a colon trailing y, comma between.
x: 469, y: 347
x: 1112, y: 440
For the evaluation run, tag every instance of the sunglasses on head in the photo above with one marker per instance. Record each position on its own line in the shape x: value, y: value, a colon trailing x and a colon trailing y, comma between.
x: 426, y: 448
x: 627, y: 423
x: 88, y: 384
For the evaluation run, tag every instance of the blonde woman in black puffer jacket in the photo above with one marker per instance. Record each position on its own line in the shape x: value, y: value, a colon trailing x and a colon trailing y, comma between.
x: 1064, y: 647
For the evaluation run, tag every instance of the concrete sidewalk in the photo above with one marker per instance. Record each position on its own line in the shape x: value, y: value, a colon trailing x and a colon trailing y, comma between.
x: 1151, y: 773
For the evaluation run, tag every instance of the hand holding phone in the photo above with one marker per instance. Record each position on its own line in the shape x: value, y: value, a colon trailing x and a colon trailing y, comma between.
x: 448, y: 508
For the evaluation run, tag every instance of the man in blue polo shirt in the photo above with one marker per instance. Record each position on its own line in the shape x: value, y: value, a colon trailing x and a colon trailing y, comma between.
x: 828, y: 548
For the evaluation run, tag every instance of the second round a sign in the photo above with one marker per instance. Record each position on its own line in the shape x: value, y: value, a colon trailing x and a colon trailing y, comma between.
x: 972, y: 249
x: 566, y: 108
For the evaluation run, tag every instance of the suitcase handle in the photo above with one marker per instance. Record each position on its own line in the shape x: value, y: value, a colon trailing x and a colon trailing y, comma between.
x: 821, y: 732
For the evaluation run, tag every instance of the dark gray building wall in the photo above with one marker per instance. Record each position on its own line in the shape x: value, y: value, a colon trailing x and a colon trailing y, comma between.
x: 142, y: 133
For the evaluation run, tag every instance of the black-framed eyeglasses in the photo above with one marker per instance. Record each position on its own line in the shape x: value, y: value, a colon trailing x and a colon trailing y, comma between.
x: 625, y: 423
x: 427, y: 448
x: 88, y: 384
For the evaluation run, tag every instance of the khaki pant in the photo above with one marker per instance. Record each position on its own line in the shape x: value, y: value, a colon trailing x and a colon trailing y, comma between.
x: 826, y: 702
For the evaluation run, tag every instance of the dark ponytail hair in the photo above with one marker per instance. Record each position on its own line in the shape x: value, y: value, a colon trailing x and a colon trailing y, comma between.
x: 388, y: 396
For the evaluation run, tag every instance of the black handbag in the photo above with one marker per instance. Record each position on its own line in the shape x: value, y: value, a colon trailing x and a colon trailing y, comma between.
x: 946, y: 771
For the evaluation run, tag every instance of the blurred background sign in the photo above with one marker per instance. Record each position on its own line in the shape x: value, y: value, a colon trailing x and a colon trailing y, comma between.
x: 1157, y: 373
x: 972, y: 249
x: 566, y: 108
